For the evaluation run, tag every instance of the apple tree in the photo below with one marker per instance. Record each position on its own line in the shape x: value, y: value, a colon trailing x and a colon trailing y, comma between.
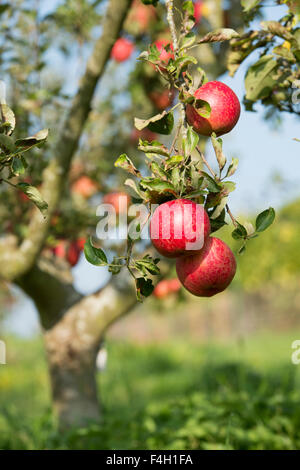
x: 182, y: 50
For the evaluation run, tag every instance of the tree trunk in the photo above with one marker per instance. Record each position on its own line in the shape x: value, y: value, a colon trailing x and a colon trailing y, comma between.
x: 72, y: 370
x: 73, y: 328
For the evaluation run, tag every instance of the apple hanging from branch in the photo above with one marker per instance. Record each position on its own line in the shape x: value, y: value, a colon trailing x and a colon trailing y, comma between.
x: 179, y: 175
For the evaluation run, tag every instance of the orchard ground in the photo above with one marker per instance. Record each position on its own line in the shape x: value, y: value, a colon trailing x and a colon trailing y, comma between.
x: 179, y: 394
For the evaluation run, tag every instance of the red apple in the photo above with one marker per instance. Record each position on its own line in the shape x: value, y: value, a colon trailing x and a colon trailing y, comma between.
x: 85, y: 187
x: 60, y: 249
x: 209, y: 271
x: 178, y: 227
x: 162, y: 99
x: 73, y: 253
x: 161, y: 290
x: 119, y: 200
x: 225, y: 109
x: 198, y: 7
x: 174, y: 285
x: 122, y: 50
x: 166, y: 287
x: 81, y: 242
x: 139, y: 17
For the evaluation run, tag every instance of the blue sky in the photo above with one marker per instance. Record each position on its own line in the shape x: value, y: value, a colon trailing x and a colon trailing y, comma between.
x: 263, y: 153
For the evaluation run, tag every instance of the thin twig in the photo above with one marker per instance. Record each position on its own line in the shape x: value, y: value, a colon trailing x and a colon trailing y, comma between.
x: 231, y: 216
x: 170, y: 18
x: 206, y: 163
x: 175, y: 138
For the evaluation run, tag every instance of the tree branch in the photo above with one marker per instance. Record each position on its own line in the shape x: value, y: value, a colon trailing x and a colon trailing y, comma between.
x: 87, y: 320
x: 15, y: 263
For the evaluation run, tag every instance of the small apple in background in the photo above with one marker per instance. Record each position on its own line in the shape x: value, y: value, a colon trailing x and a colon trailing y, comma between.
x: 69, y: 251
x: 144, y: 134
x: 225, y: 109
x: 162, y: 99
x: 166, y: 287
x: 161, y: 289
x: 81, y: 242
x: 209, y: 271
x: 174, y: 285
x: 176, y: 224
x: 139, y: 18
x: 119, y: 200
x: 60, y: 249
x: 85, y: 186
x: 73, y: 253
x: 122, y: 50
x: 198, y: 9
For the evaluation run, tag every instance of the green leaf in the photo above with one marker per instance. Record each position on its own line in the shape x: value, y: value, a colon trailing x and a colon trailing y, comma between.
x: 157, y: 185
x: 242, y: 249
x: 217, y: 145
x: 17, y: 166
x: 188, y: 6
x: 183, y: 62
x: 144, y: 288
x: 190, y: 143
x: 161, y: 123
x: 115, y: 266
x: 149, y: 264
x: 158, y: 171
x: 219, y: 35
x: 219, y: 222
x: 239, y: 232
x: 174, y: 160
x: 31, y: 141
x: 8, y: 118
x: 175, y: 177
x: 126, y: 164
x: 135, y: 190
x: 211, y: 184
x: 260, y: 78
x: 203, y: 108
x: 34, y: 195
x: 95, y: 256
x: 154, y: 147
x: 188, y: 40
x: 285, y: 53
x: 219, y: 209
x: 163, y: 126
x: 265, y: 219
x: 250, y: 4
x: 232, y: 167
x: 228, y: 187
x: 274, y: 27
x: 7, y: 144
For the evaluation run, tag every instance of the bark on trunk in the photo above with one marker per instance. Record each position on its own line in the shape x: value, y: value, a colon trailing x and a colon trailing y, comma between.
x: 73, y: 328
x: 73, y: 379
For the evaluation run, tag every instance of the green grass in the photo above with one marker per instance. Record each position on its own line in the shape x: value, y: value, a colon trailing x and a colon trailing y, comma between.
x: 175, y: 396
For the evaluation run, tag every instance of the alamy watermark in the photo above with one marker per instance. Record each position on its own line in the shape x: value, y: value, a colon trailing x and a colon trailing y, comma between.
x: 295, y: 358
x: 2, y: 352
x: 175, y: 222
